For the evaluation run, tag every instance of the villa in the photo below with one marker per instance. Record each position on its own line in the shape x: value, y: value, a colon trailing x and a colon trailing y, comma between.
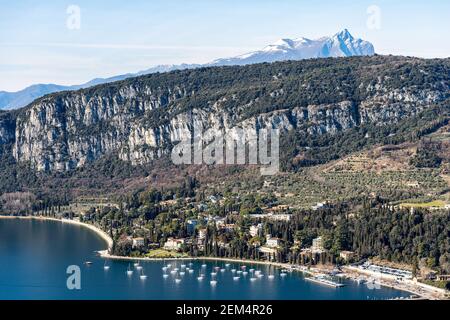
x: 174, y: 244
x: 317, y: 245
x: 138, y: 242
x: 272, y: 242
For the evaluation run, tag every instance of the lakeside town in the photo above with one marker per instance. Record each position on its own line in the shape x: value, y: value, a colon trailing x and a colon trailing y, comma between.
x: 184, y: 223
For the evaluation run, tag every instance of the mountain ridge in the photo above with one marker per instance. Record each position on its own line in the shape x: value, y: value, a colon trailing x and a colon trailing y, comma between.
x: 140, y: 118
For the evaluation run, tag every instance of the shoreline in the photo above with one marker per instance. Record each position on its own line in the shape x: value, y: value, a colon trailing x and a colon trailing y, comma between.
x: 349, y: 273
x: 102, y: 234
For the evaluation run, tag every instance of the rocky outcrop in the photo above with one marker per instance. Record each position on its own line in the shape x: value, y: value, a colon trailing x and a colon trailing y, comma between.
x: 140, y: 121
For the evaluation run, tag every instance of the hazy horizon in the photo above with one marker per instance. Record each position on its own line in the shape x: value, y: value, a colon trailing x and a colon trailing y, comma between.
x: 43, y: 43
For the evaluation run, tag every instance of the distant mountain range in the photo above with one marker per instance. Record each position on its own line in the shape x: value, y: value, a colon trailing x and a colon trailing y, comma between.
x: 342, y: 44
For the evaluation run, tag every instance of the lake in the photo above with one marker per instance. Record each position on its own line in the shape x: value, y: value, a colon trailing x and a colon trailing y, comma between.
x: 35, y: 255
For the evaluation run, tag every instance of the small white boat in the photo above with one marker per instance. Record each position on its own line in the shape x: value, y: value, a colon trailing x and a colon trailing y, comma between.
x: 106, y: 267
x: 164, y: 268
x: 173, y: 272
x: 175, y: 269
x: 142, y: 276
x: 169, y: 265
x: 244, y: 273
x: 165, y: 276
x: 253, y: 279
x: 88, y: 263
x: 222, y: 270
x: 213, y: 273
x: 239, y: 271
x: 236, y: 278
x: 271, y: 276
x: 191, y: 271
x: 138, y: 267
x: 187, y: 269
x: 213, y: 282
x: 233, y: 270
x: 217, y: 268
x: 257, y: 272
x: 260, y: 275
x: 136, y: 264
x: 243, y: 267
x: 190, y: 264
x: 129, y: 271
x: 182, y: 273
x: 177, y: 280
x: 183, y: 266
x: 227, y: 264
x: 203, y: 265
x: 252, y: 270
x: 283, y: 274
x: 200, y: 278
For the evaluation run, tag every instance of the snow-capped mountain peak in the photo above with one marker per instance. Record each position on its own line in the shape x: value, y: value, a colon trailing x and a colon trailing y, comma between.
x: 342, y: 44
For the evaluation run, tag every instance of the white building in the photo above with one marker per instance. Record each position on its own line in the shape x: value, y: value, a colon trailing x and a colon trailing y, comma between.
x: 173, y: 244
x: 138, y: 242
x: 320, y: 205
x: 272, y: 242
x: 254, y: 230
x: 317, y: 245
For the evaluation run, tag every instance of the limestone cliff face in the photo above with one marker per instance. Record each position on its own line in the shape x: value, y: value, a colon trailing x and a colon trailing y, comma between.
x: 141, y: 121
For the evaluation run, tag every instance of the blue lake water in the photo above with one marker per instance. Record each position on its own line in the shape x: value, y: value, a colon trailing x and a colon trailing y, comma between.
x: 34, y: 256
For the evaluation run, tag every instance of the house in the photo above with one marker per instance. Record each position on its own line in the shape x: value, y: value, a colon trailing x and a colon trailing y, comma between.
x: 347, y: 255
x: 317, y: 245
x: 272, y: 242
x: 319, y: 205
x: 220, y: 222
x: 138, y: 242
x: 272, y: 216
x: 443, y: 277
x: 174, y: 244
x: 255, y: 229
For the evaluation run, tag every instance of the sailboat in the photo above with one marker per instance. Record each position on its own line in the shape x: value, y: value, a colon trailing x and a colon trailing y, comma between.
x: 105, y: 266
x: 142, y: 276
x: 138, y: 266
x: 129, y: 271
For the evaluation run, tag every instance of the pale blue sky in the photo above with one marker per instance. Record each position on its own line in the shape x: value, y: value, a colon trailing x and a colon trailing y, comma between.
x: 127, y: 36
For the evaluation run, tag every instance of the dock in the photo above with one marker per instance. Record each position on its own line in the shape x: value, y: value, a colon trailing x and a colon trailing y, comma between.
x: 324, y: 281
